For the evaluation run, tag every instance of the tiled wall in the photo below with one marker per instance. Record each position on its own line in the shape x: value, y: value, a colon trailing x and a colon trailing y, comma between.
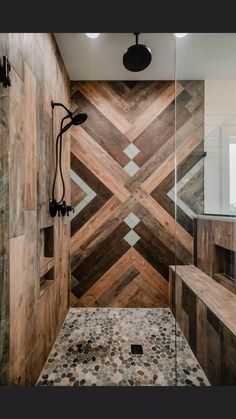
x: 34, y: 318
x: 122, y: 179
x: 4, y: 222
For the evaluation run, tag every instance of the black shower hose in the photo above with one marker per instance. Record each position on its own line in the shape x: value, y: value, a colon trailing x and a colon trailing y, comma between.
x: 59, y: 141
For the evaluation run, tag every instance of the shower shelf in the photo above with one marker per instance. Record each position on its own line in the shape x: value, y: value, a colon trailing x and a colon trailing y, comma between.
x: 46, y: 277
x: 46, y: 263
x: 224, y: 267
x: 45, y: 285
x: 226, y: 280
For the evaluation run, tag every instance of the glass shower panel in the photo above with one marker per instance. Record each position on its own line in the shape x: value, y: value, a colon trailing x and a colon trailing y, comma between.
x: 205, y: 198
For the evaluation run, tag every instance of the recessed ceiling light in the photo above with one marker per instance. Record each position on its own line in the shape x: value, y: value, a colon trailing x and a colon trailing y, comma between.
x: 92, y: 35
x: 180, y: 35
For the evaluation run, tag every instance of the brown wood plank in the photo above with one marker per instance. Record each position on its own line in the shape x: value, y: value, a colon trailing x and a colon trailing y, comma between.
x: 86, y: 213
x: 184, y: 148
x: 201, y: 352
x: 213, y: 355
x: 100, y: 163
x: 16, y: 162
x: 164, y: 218
x: 102, y: 131
x: 106, y: 229
x: 94, y: 92
x: 77, y: 194
x: 163, y: 234
x: 149, y: 114
x: 156, y: 299
x: 110, y: 276
x: 157, y: 159
x: 183, y: 219
x: 146, y: 251
x: 94, y: 224
x: 88, y: 177
x: 111, y: 293
x: 157, y: 248
x: 30, y: 139
x: 228, y: 357
x: 95, y: 265
x: 160, y: 130
x: 192, y: 194
x: 126, y: 297
x: 151, y: 274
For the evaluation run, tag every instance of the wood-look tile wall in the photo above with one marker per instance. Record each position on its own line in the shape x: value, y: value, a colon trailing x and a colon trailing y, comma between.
x: 123, y: 162
x: 38, y: 76
x: 4, y: 222
x: 213, y: 344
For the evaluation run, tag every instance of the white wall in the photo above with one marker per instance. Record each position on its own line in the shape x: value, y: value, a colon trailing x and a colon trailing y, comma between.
x: 220, y: 123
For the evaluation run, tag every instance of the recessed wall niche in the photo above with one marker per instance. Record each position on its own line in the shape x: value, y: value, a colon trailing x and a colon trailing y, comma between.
x: 225, y: 267
x: 46, y: 270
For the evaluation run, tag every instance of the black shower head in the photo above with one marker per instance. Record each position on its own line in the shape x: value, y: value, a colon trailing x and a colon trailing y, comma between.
x: 79, y: 118
x: 137, y: 57
x: 76, y: 119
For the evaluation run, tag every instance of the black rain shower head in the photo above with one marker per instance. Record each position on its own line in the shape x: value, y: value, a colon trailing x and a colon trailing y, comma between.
x: 137, y: 57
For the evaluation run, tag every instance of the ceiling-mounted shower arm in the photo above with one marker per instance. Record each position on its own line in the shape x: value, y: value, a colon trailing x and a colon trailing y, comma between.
x: 136, y: 36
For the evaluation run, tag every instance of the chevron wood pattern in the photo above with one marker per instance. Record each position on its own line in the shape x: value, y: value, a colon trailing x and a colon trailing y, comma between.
x: 122, y: 173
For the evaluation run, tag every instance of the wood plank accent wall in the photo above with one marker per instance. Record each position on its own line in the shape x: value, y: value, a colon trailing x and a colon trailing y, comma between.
x: 205, y: 312
x: 213, y: 238
x: 38, y: 76
x: 122, y: 180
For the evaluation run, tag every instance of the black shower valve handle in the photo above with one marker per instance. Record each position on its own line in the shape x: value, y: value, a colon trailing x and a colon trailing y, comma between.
x: 69, y: 208
x: 59, y: 208
x: 63, y: 208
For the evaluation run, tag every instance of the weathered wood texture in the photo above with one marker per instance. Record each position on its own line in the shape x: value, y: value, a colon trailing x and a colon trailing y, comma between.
x: 4, y: 222
x: 215, y: 249
x: 206, y: 313
x: 38, y: 76
x: 137, y: 117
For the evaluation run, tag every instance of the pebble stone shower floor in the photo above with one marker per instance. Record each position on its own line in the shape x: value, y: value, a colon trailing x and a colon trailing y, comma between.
x: 94, y: 349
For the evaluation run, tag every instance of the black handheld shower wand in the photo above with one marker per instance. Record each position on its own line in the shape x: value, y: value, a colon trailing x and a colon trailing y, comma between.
x: 60, y: 207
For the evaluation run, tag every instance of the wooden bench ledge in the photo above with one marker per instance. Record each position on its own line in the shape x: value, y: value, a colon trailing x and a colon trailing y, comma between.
x: 216, y: 297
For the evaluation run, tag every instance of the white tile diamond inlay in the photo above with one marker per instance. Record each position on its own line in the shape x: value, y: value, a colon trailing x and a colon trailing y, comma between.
x: 131, y: 168
x: 132, y: 238
x: 131, y: 151
x: 80, y: 182
x: 90, y: 194
x: 132, y: 220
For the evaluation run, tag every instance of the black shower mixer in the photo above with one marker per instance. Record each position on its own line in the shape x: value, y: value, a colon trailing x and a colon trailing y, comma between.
x: 59, y: 208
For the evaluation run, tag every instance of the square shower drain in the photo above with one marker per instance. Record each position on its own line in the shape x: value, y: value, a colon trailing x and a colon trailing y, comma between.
x: 137, y: 349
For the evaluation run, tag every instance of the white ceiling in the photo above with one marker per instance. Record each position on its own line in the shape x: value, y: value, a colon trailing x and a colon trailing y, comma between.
x: 198, y: 56
x: 101, y: 58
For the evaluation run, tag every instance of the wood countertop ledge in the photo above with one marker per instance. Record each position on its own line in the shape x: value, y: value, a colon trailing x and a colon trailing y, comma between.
x: 216, y: 297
